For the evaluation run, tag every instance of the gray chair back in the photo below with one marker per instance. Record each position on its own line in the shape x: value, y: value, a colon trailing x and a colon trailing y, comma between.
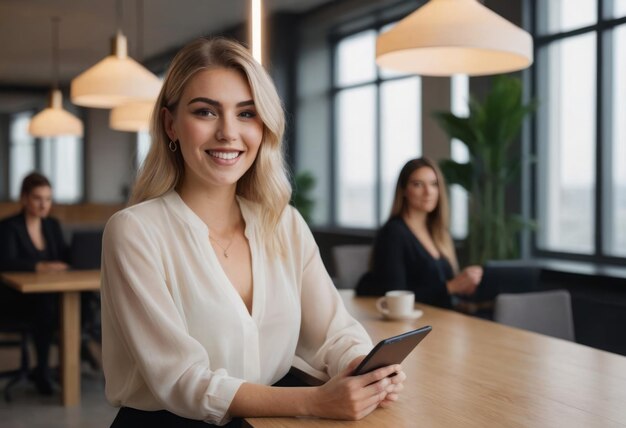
x: 546, y: 312
x: 351, y: 262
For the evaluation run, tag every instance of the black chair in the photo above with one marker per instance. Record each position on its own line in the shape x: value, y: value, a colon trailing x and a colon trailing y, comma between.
x: 86, y: 249
x: 18, y: 333
x: 86, y: 253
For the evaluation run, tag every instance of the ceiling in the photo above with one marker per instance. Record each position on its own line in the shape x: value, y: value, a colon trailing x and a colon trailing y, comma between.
x: 87, y: 26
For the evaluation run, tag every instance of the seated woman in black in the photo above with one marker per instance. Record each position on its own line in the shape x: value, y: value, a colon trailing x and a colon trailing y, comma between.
x: 414, y: 250
x: 32, y: 241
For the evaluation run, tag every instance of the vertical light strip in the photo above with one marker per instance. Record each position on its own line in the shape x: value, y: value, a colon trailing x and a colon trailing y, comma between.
x: 257, y: 45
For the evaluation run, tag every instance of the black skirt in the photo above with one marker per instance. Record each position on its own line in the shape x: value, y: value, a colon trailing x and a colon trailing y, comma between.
x: 128, y: 417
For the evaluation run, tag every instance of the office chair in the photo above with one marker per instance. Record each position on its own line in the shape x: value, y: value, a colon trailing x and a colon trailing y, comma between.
x: 351, y: 262
x: 86, y: 249
x: 546, y: 312
x: 21, y: 329
x: 86, y: 253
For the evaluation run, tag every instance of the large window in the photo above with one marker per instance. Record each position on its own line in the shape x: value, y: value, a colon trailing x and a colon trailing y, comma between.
x: 567, y: 125
x: 62, y: 163
x: 580, y: 127
x: 21, y: 153
x: 615, y: 204
x: 377, y: 129
x: 60, y: 159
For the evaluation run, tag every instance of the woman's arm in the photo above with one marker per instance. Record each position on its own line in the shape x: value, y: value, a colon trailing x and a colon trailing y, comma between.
x: 330, y: 338
x: 342, y: 397
x: 466, y: 282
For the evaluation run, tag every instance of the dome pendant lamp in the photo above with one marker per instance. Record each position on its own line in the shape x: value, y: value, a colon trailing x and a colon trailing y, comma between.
x: 446, y: 37
x: 115, y: 80
x: 54, y: 121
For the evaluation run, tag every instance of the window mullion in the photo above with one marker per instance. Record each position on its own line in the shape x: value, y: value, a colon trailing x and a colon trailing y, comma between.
x: 379, y: 151
x: 599, y: 220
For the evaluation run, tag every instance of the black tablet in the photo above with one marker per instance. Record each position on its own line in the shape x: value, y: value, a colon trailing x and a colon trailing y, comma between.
x: 392, y: 350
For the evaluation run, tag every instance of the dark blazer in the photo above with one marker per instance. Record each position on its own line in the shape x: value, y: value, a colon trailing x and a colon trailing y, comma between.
x: 17, y: 251
x: 400, y: 262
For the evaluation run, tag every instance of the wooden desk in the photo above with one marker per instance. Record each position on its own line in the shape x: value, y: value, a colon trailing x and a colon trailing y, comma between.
x: 474, y: 373
x: 69, y: 284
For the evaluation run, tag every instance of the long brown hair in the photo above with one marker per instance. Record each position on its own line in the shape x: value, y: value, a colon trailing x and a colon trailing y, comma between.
x: 437, y: 221
x: 266, y: 181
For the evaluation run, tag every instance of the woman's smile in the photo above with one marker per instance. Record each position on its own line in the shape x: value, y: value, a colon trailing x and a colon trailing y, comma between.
x: 224, y: 157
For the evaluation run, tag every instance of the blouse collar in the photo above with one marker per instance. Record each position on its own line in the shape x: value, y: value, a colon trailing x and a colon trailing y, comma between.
x: 186, y: 214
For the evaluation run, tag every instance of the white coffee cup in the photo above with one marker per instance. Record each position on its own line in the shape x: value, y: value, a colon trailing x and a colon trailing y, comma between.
x: 396, y: 303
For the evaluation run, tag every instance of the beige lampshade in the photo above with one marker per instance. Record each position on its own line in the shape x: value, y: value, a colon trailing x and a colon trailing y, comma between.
x: 54, y: 120
x: 446, y: 37
x: 115, y: 80
x: 132, y: 117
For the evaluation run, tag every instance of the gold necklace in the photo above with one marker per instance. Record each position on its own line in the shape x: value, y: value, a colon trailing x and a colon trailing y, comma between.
x: 224, y: 249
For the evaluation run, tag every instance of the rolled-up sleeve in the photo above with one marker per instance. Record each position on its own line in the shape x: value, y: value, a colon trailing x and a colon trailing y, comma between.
x: 145, y: 339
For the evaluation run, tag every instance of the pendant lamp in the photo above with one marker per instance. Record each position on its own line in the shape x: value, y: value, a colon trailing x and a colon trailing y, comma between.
x: 54, y: 120
x: 116, y: 79
x: 134, y: 116
x: 446, y: 37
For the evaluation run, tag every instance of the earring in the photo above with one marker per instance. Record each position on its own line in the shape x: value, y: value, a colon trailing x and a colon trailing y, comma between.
x: 173, y: 146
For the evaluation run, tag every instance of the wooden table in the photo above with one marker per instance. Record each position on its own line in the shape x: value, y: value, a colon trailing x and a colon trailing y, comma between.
x: 69, y: 284
x: 474, y: 373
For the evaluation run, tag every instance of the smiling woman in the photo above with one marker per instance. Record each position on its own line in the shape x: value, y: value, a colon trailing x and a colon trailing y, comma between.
x: 212, y: 285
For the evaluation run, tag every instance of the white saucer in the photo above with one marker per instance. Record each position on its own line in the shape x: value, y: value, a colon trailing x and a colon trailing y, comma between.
x: 412, y: 316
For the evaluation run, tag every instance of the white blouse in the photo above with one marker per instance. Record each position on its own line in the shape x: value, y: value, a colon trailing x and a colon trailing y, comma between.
x: 176, y: 335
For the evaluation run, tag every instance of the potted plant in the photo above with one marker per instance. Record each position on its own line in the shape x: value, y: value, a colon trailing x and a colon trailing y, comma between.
x: 488, y: 131
x: 303, y: 184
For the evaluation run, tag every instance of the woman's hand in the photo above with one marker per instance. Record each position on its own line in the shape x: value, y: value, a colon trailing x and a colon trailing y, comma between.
x: 51, y: 267
x: 353, y: 397
x: 466, y: 282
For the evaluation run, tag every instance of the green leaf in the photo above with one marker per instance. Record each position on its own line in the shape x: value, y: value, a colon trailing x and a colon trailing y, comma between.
x: 457, y: 173
x: 303, y: 184
x: 456, y: 127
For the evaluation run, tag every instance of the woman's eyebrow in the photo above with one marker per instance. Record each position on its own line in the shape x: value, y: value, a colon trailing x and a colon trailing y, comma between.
x: 217, y: 103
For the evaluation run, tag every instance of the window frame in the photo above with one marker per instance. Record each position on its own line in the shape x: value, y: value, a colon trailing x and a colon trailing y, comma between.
x: 601, y: 28
x: 376, y: 23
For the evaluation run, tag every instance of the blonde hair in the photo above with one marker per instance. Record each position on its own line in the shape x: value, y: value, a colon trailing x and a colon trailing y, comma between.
x: 266, y: 181
x: 437, y: 221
